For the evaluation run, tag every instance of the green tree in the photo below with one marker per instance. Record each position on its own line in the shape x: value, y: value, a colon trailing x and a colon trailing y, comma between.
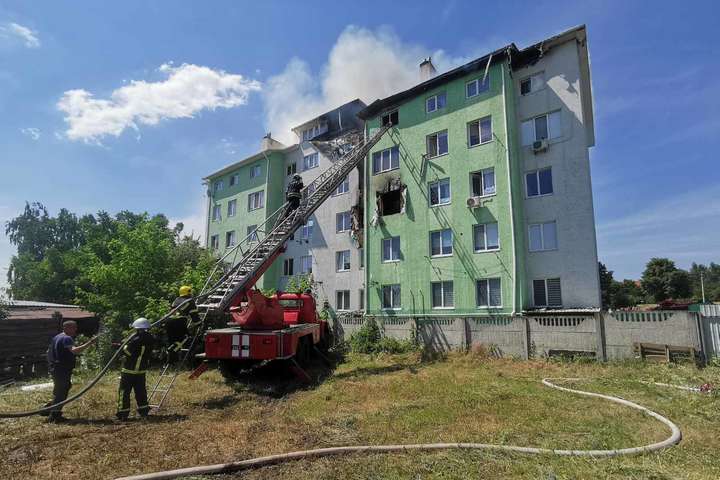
x: 710, y: 280
x: 662, y: 280
x: 606, y: 285
x: 626, y: 294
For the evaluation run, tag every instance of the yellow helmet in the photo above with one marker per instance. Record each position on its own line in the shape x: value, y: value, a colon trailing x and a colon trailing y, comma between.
x: 185, y: 290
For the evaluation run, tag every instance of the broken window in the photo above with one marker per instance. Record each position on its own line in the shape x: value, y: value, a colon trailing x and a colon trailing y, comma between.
x: 437, y: 144
x: 390, y: 203
x: 391, y: 117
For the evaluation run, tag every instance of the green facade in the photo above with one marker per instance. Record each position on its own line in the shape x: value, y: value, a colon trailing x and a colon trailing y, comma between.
x: 416, y: 269
x: 270, y: 181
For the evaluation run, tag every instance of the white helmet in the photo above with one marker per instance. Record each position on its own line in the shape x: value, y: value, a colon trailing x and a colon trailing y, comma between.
x: 141, y: 324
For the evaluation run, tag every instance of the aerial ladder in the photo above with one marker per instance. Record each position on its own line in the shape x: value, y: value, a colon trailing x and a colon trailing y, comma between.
x: 284, y: 326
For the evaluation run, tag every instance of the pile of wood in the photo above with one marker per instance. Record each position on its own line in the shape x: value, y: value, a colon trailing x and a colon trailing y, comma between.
x: 665, y: 353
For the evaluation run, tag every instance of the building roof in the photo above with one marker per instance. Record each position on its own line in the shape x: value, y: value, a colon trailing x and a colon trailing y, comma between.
x: 324, y: 116
x: 256, y: 156
x: 74, y: 313
x: 518, y: 58
x: 34, y: 304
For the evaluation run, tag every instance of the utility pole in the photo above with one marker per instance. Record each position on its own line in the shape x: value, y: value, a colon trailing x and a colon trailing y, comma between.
x: 702, y: 286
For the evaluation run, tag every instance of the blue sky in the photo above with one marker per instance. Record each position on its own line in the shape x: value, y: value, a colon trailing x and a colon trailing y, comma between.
x: 94, y: 112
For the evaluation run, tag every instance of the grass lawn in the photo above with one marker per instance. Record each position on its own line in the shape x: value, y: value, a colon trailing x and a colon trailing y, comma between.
x: 379, y: 400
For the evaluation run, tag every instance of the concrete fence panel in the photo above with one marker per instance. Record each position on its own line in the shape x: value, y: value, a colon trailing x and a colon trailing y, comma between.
x: 504, y: 334
x: 441, y: 333
x: 559, y: 333
x: 399, y: 328
x: 623, y: 329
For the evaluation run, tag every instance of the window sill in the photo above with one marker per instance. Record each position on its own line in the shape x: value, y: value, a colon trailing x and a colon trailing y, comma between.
x: 544, y: 250
x: 428, y: 157
x: 480, y: 144
x: 489, y: 250
x: 440, y: 205
x: 443, y: 308
x: 385, y: 171
x: 437, y: 110
x: 391, y: 309
x: 486, y: 196
x: 390, y: 261
x: 342, y: 271
x: 481, y: 307
x: 528, y: 197
x: 342, y: 231
x: 442, y: 256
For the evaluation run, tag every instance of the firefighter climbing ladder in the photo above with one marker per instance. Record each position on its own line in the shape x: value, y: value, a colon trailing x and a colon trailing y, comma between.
x: 249, y: 258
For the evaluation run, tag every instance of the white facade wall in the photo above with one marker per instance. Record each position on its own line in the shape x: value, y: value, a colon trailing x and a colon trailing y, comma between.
x: 570, y: 205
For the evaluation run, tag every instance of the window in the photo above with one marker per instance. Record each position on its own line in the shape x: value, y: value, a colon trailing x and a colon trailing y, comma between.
x: 292, y: 169
x: 436, y: 102
x: 391, y: 203
x: 235, y: 179
x: 538, y: 128
x: 543, y: 236
x: 232, y: 208
x: 361, y: 256
x: 479, y: 131
x: 361, y: 299
x: 485, y: 237
x: 216, y: 215
x: 476, y: 87
x: 306, y: 264
x: 386, y: 160
x: 487, y: 292
x: 391, y: 296
x: 215, y: 242
x: 539, y: 182
x: 230, y: 239
x: 391, y: 249
x: 439, y: 192
x: 532, y: 84
x: 342, y: 222
x: 437, y: 144
x: 546, y: 292
x: 307, y: 230
x: 483, y: 182
x: 314, y: 131
x: 342, y: 261
x: 255, y: 171
x: 441, y: 243
x: 252, y: 233
x: 288, y: 265
x: 442, y: 295
x: 342, y: 300
x: 256, y: 200
x: 218, y: 186
x: 310, y: 161
x: 344, y: 187
x: 391, y: 117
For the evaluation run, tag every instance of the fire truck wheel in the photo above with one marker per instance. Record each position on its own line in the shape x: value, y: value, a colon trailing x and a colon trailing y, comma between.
x: 326, y: 340
x: 304, y: 350
x: 231, y: 369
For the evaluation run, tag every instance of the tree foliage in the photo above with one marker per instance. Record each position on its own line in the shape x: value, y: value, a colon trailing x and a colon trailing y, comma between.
x: 606, y: 285
x: 662, y: 280
x: 710, y: 281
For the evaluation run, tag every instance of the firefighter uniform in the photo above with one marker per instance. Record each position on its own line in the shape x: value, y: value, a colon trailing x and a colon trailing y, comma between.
x: 182, y: 326
x: 293, y: 193
x: 136, y: 358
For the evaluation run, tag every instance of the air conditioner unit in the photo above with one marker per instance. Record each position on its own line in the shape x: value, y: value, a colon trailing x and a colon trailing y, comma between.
x: 540, y: 145
x: 474, y: 202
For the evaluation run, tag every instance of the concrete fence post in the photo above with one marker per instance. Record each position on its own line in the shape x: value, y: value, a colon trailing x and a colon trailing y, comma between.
x: 601, y: 353
x: 526, y: 338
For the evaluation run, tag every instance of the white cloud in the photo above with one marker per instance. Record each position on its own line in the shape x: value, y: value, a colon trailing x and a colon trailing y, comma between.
x: 28, y: 37
x: 362, y: 64
x: 187, y: 90
x: 31, y: 132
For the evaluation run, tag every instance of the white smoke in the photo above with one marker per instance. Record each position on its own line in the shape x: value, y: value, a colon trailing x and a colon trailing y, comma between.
x: 362, y: 64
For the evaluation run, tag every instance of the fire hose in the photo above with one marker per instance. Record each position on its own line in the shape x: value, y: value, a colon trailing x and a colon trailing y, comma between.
x: 673, y: 439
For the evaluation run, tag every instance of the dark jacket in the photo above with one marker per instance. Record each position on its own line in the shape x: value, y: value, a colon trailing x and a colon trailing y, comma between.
x: 186, y: 319
x: 136, y: 354
x: 293, y: 189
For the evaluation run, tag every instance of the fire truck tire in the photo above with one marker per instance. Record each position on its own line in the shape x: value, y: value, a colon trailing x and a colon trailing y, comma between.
x: 231, y: 369
x: 326, y: 339
x: 304, y: 350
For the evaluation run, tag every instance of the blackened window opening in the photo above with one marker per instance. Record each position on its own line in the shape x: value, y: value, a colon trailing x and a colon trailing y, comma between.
x: 391, y: 202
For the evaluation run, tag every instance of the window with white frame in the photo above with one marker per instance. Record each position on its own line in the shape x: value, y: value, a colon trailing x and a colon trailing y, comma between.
x: 439, y: 192
x: 216, y: 212
x: 343, y: 222
x: 252, y: 233
x: 310, y: 161
x: 342, y: 300
x: 533, y: 83
x: 256, y: 200
x: 230, y: 239
x: 391, y: 249
x: 306, y: 230
x: 314, y: 131
x: 479, y: 131
x: 361, y: 299
x: 218, y: 185
x: 539, y: 182
x: 288, y: 266
x: 477, y: 86
x: 485, y: 237
x: 436, y: 102
x: 386, y: 160
x: 344, y: 187
x: 232, y: 208
x: 391, y: 296
x: 437, y: 144
x: 441, y: 243
x: 342, y: 261
x: 547, y: 293
x: 291, y: 169
x: 543, y: 236
x: 306, y: 264
x: 391, y: 117
x: 482, y: 183
x: 214, y: 242
x: 442, y: 294
x: 255, y: 171
x: 234, y: 179
x: 488, y: 293
x: 542, y: 127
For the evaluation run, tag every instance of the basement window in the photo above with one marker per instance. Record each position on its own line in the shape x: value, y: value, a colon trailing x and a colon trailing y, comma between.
x: 391, y: 117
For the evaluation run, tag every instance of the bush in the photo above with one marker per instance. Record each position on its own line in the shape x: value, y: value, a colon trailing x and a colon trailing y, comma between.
x: 369, y: 339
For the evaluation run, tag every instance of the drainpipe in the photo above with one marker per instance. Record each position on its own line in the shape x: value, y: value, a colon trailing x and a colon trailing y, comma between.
x: 207, y: 213
x: 366, y: 196
x: 510, y: 195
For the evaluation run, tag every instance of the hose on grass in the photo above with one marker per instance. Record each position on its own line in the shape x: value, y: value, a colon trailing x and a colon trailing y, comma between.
x: 97, y: 378
x: 673, y: 439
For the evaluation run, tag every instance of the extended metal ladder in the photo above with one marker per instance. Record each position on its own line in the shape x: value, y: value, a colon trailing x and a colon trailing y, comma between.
x: 259, y: 247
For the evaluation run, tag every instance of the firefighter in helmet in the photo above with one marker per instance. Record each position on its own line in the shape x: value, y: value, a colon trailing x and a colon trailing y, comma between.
x: 292, y: 194
x: 184, y: 325
x: 135, y: 361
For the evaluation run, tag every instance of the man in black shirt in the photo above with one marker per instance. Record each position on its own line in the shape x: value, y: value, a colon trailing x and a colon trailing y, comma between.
x: 136, y: 358
x: 61, y: 362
